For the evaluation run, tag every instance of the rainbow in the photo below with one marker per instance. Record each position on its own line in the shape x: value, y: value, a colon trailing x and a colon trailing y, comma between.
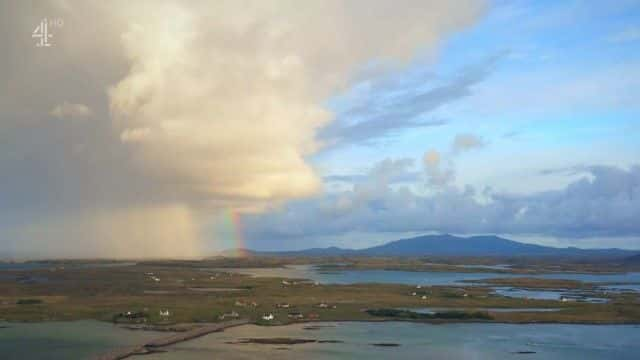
x: 233, y: 231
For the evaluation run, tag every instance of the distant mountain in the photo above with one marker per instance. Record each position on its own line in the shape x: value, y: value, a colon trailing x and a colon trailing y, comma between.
x: 449, y: 245
x: 329, y: 251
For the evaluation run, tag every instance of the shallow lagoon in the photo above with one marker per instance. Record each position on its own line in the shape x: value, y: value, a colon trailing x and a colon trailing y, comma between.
x: 418, y: 341
x: 621, y: 288
x: 418, y: 277
x: 86, y: 339
x: 547, y: 294
x: 433, y: 310
x: 65, y: 340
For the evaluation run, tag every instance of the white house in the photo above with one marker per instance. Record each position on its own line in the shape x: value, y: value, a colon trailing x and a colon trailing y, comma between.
x: 267, y: 317
x: 232, y: 314
x: 164, y: 313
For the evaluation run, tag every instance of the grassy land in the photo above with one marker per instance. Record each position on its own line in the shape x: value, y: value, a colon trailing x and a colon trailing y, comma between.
x: 194, y: 292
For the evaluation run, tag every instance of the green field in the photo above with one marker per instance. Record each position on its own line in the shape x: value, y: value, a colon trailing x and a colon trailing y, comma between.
x: 199, y: 291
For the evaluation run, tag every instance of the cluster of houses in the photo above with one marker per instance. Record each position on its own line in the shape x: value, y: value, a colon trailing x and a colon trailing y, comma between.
x: 323, y: 305
x: 153, y: 277
x: 141, y: 316
x: 240, y: 303
x: 131, y: 317
x: 297, y: 315
x: 424, y: 296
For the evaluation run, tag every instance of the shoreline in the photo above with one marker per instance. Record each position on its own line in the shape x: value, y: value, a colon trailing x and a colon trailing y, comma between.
x: 155, y: 345
x: 167, y: 328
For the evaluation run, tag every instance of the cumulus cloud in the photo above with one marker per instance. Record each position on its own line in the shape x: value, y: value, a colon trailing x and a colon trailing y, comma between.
x: 198, y: 106
x: 247, y: 94
x: 68, y: 110
x: 438, y: 173
x: 439, y: 167
x: 605, y: 202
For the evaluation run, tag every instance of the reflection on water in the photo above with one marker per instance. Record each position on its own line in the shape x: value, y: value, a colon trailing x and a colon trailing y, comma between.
x: 433, y: 310
x: 418, y: 341
x: 417, y: 277
x: 621, y: 288
x: 21, y: 265
x: 492, y: 267
x: 546, y: 294
x: 65, y: 340
x: 350, y: 340
x: 529, y: 294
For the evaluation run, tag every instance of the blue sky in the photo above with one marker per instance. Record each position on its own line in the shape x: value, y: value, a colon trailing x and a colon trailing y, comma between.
x: 561, y: 84
x: 552, y: 85
x: 206, y: 123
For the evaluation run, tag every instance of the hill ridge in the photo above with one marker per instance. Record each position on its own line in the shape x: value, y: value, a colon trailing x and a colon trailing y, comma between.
x: 451, y: 245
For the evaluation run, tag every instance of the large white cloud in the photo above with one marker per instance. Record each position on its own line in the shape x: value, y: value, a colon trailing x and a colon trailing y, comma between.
x: 230, y: 97
x: 196, y: 106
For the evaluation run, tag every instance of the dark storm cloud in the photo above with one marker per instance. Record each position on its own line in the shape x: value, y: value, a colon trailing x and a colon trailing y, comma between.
x: 604, y: 202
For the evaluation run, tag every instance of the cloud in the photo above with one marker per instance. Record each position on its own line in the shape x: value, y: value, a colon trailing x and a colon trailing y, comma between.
x: 372, y: 130
x: 196, y: 106
x: 68, y: 110
x: 126, y: 233
x: 438, y: 174
x: 603, y: 203
x: 387, y: 171
x: 388, y: 106
x: 440, y: 167
x: 465, y: 142
x: 135, y: 135
x: 210, y: 119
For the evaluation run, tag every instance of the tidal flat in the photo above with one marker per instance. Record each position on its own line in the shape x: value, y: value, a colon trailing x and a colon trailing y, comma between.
x: 333, y: 340
x: 358, y: 340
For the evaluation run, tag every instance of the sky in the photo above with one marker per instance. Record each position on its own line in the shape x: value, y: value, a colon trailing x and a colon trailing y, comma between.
x: 176, y: 129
